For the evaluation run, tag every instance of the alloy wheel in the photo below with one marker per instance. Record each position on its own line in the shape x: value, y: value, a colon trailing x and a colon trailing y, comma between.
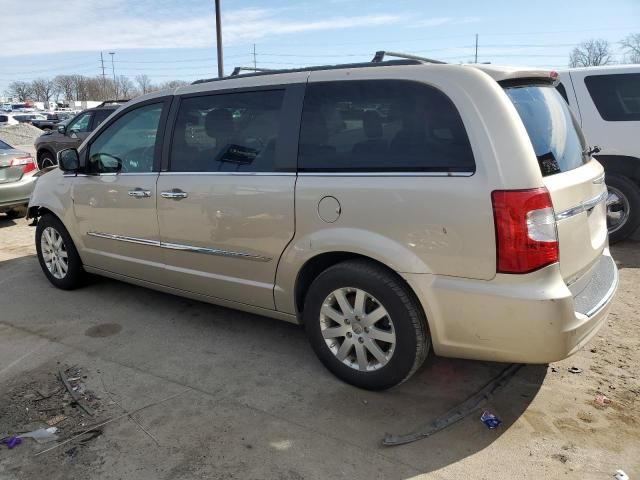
x: 54, y: 253
x: 617, y: 209
x: 357, y: 329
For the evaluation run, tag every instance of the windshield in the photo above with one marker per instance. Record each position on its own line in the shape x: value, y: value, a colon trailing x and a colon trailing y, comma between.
x: 553, y: 130
x: 4, y: 146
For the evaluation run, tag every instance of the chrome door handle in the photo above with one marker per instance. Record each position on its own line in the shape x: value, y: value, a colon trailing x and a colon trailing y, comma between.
x: 175, y: 194
x: 139, y: 193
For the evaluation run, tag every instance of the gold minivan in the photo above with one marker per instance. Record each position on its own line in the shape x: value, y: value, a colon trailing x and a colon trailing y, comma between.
x: 389, y: 207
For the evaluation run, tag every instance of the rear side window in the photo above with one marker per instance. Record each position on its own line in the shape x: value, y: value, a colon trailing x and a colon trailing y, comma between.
x: 553, y: 130
x: 381, y: 126
x: 100, y: 116
x: 227, y: 132
x: 617, y: 97
x: 4, y: 118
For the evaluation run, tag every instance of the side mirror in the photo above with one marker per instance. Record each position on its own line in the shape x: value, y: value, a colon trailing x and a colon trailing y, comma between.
x: 68, y: 160
x: 62, y: 129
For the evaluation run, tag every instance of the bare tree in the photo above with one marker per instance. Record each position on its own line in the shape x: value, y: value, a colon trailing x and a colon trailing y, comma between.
x: 144, y: 83
x: 43, y: 89
x: 591, y: 53
x: 173, y: 84
x: 125, y: 87
x: 631, y: 45
x: 19, y: 91
x: 65, y: 85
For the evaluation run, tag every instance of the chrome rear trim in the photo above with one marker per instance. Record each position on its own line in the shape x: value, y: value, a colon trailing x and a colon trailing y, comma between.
x: 582, y: 207
x: 214, y: 251
x: 180, y: 246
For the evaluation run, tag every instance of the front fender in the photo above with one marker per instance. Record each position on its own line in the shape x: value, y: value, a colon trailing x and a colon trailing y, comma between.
x: 346, y: 240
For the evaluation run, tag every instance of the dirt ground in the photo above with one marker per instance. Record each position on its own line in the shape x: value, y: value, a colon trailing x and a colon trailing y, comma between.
x: 192, y: 390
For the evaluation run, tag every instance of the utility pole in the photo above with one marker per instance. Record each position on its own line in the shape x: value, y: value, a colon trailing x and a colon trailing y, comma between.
x: 104, y: 78
x: 113, y: 70
x: 476, y: 61
x: 219, y: 39
x: 255, y: 64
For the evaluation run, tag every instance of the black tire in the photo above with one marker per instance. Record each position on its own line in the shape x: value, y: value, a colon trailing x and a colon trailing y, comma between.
x: 409, y: 323
x: 75, y: 275
x: 46, y: 159
x: 631, y: 192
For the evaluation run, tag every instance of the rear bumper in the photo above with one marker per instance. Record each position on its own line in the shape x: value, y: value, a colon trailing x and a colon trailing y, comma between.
x: 534, y: 318
x: 16, y: 194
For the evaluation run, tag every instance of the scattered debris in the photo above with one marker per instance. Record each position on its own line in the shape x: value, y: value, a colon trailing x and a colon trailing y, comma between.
x: 71, y: 452
x: 490, y: 420
x: 96, y: 432
x: 101, y: 424
x: 42, y: 435
x: 620, y: 475
x: 602, y: 400
x: 11, y: 442
x: 77, y: 399
x: 456, y: 414
x: 55, y: 420
x: 574, y: 370
x: 554, y: 369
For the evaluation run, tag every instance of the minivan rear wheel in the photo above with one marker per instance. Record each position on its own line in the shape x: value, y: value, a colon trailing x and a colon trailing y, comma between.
x: 365, y: 325
x: 623, y: 207
x: 57, y: 254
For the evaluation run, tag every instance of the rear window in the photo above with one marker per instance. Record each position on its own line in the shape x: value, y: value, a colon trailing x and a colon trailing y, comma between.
x: 617, y: 97
x: 553, y: 130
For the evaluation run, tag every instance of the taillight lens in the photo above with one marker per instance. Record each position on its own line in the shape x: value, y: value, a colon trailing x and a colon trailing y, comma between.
x: 28, y: 164
x: 526, y: 235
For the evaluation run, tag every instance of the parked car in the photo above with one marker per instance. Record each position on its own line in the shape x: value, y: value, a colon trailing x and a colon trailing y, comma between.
x: 7, y: 119
x: 18, y: 173
x: 51, y: 121
x: 71, y: 133
x: 390, y: 207
x: 606, y: 100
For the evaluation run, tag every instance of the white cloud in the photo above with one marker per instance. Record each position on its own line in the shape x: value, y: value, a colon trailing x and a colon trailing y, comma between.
x: 82, y: 25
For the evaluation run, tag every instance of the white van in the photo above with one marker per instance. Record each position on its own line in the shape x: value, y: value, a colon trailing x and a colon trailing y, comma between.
x: 606, y: 100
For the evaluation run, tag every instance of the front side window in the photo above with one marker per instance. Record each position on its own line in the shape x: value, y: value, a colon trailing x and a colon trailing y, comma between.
x: 128, y: 144
x: 382, y: 126
x: 553, y: 130
x: 81, y: 124
x: 228, y: 132
x: 617, y: 97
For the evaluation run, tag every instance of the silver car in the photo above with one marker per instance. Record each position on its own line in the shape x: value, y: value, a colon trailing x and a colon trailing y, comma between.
x: 18, y: 174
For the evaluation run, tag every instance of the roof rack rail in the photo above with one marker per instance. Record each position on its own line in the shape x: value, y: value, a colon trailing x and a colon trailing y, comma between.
x: 111, y: 102
x: 237, y: 70
x: 380, y: 54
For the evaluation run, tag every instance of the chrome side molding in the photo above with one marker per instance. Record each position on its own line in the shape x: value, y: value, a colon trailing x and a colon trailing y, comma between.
x: 123, y: 238
x: 179, y: 246
x: 582, y: 207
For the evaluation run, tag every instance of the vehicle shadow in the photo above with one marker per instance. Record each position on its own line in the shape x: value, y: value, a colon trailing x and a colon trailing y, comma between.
x: 627, y: 253
x: 6, y: 221
x: 267, y: 366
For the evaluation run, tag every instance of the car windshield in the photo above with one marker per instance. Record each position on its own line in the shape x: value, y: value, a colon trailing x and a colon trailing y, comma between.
x: 554, y: 132
x: 5, y: 146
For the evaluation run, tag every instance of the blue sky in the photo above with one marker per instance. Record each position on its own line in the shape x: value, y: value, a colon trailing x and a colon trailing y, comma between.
x: 168, y: 39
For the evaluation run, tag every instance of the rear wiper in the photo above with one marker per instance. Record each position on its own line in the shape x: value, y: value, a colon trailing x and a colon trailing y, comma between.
x: 591, y: 150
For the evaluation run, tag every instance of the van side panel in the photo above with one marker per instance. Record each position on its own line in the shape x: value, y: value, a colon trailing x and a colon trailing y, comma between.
x: 417, y: 223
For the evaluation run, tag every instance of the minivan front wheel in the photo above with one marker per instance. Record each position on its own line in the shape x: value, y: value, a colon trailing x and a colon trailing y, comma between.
x: 365, y: 325
x: 623, y: 207
x: 46, y: 160
x: 57, y: 254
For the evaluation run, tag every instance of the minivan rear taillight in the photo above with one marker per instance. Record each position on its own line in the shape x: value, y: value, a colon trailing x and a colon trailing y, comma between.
x: 28, y: 163
x: 526, y: 237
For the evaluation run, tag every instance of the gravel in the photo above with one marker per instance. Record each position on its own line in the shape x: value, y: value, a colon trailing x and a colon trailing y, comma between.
x: 22, y: 134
